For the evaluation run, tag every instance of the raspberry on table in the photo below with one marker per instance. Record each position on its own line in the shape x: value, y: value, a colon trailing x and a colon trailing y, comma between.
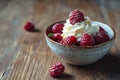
x: 56, y: 69
x: 101, y: 37
x: 29, y: 26
x: 76, y: 16
x: 70, y: 40
x: 87, y: 40
x: 57, y: 28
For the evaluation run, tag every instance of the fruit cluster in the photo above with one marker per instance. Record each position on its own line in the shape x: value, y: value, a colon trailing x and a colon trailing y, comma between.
x: 86, y: 39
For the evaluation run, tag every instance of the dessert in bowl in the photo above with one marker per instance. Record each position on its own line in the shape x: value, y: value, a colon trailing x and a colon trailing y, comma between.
x: 78, y: 40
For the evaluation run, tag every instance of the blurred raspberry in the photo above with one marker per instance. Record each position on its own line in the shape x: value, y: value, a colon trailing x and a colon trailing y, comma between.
x: 87, y: 40
x: 57, y: 37
x: 56, y: 69
x: 76, y: 16
x: 70, y: 40
x: 101, y: 29
x: 57, y: 28
x: 101, y: 37
x: 29, y: 26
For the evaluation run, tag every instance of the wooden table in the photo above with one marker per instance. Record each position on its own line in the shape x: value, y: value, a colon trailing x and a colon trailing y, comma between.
x: 26, y: 56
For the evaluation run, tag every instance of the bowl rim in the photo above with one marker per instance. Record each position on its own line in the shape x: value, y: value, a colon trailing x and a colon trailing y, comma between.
x: 84, y: 47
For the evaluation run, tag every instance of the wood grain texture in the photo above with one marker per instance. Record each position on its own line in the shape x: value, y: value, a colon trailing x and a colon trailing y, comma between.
x: 26, y: 56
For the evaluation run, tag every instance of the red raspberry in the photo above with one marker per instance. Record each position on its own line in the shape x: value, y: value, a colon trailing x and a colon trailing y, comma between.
x: 57, y: 37
x: 57, y: 28
x: 87, y: 40
x: 29, y: 26
x: 57, y: 69
x: 101, y: 29
x: 101, y: 37
x: 70, y: 40
x: 76, y: 16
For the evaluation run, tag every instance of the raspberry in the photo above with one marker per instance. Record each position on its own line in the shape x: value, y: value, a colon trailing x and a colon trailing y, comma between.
x: 101, y: 37
x: 29, y: 26
x: 57, y: 69
x: 57, y: 28
x: 70, y: 40
x: 101, y: 29
x: 57, y: 37
x: 87, y: 40
x: 76, y: 16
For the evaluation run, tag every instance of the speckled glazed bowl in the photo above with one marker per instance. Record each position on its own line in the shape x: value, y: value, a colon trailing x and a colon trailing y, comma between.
x: 81, y: 55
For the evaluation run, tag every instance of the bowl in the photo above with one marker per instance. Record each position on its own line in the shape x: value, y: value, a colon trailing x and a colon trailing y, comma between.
x: 78, y: 55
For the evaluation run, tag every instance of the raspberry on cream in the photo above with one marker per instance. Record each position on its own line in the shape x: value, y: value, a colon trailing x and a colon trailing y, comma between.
x: 79, y: 28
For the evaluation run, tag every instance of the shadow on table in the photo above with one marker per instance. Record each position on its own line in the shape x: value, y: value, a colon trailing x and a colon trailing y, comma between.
x: 65, y: 76
x: 108, y: 64
x: 36, y: 30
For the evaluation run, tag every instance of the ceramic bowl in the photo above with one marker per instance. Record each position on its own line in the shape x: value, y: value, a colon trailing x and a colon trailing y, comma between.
x: 81, y: 55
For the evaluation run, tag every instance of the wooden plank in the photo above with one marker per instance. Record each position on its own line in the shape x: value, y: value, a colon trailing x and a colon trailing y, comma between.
x: 11, y: 17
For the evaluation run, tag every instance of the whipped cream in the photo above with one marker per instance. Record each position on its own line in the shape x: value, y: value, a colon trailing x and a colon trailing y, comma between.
x: 79, y: 28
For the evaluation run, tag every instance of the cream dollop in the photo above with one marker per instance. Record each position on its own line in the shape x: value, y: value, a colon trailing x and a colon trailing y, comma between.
x: 79, y: 28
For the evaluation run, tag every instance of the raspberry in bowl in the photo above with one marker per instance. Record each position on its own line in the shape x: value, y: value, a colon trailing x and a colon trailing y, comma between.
x: 78, y: 40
